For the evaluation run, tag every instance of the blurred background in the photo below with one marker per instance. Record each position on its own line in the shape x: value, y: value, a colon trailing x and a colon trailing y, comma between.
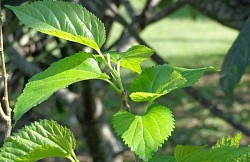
x: 186, y: 33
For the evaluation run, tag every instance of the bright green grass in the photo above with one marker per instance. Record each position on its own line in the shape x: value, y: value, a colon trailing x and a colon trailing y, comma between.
x: 192, y: 43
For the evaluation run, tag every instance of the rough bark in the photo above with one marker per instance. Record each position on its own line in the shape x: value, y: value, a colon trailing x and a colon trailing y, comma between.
x: 233, y: 15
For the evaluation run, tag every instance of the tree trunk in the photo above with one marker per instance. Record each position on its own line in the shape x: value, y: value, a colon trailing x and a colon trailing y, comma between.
x: 99, y: 137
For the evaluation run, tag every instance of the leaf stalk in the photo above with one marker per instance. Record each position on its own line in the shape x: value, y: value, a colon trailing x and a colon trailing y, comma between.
x: 72, y: 157
x: 115, y: 73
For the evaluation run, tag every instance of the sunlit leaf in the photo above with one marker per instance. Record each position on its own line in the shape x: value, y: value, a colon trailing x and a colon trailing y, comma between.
x: 132, y: 58
x: 145, y: 96
x: 78, y: 67
x: 233, y: 142
x: 38, y: 140
x: 64, y: 20
x: 228, y: 141
x: 144, y: 134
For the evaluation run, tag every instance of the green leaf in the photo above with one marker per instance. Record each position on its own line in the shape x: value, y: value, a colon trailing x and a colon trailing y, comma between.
x: 78, y: 67
x: 145, y: 96
x: 223, y: 154
x: 192, y: 75
x: 182, y: 152
x: 155, y: 82
x: 64, y: 20
x: 228, y: 141
x: 162, y: 158
x: 38, y: 140
x: 132, y: 58
x: 144, y: 134
x: 243, y: 158
x: 236, y: 61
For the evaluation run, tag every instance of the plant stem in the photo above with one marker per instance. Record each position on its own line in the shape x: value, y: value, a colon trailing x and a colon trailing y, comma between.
x: 114, y: 86
x: 72, y: 157
x: 7, y: 116
x: 115, y: 73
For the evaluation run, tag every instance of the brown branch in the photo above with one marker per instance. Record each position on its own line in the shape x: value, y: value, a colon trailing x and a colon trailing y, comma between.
x: 2, y: 114
x: 7, y: 116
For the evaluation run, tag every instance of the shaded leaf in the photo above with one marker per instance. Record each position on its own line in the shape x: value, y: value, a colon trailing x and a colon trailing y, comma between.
x: 144, y: 134
x: 192, y: 75
x: 162, y: 79
x: 182, y: 152
x: 236, y: 61
x: 64, y: 20
x: 155, y: 82
x: 243, y: 158
x: 38, y: 140
x: 78, y: 67
x: 223, y: 154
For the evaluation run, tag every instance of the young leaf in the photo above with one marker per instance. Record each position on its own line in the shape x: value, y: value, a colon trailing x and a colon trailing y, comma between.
x: 144, y: 134
x: 132, y: 58
x: 162, y: 158
x: 223, y: 154
x: 39, y: 140
x: 192, y: 75
x: 64, y: 20
x: 155, y: 82
x: 234, y: 142
x: 78, y: 67
x: 182, y: 152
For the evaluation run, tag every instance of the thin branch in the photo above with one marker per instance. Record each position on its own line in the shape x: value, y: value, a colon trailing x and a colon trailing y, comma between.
x: 5, y: 81
x: 115, y: 42
x: 215, y: 110
x: 146, y: 8
x: 2, y: 114
x: 165, y: 11
x: 129, y: 8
